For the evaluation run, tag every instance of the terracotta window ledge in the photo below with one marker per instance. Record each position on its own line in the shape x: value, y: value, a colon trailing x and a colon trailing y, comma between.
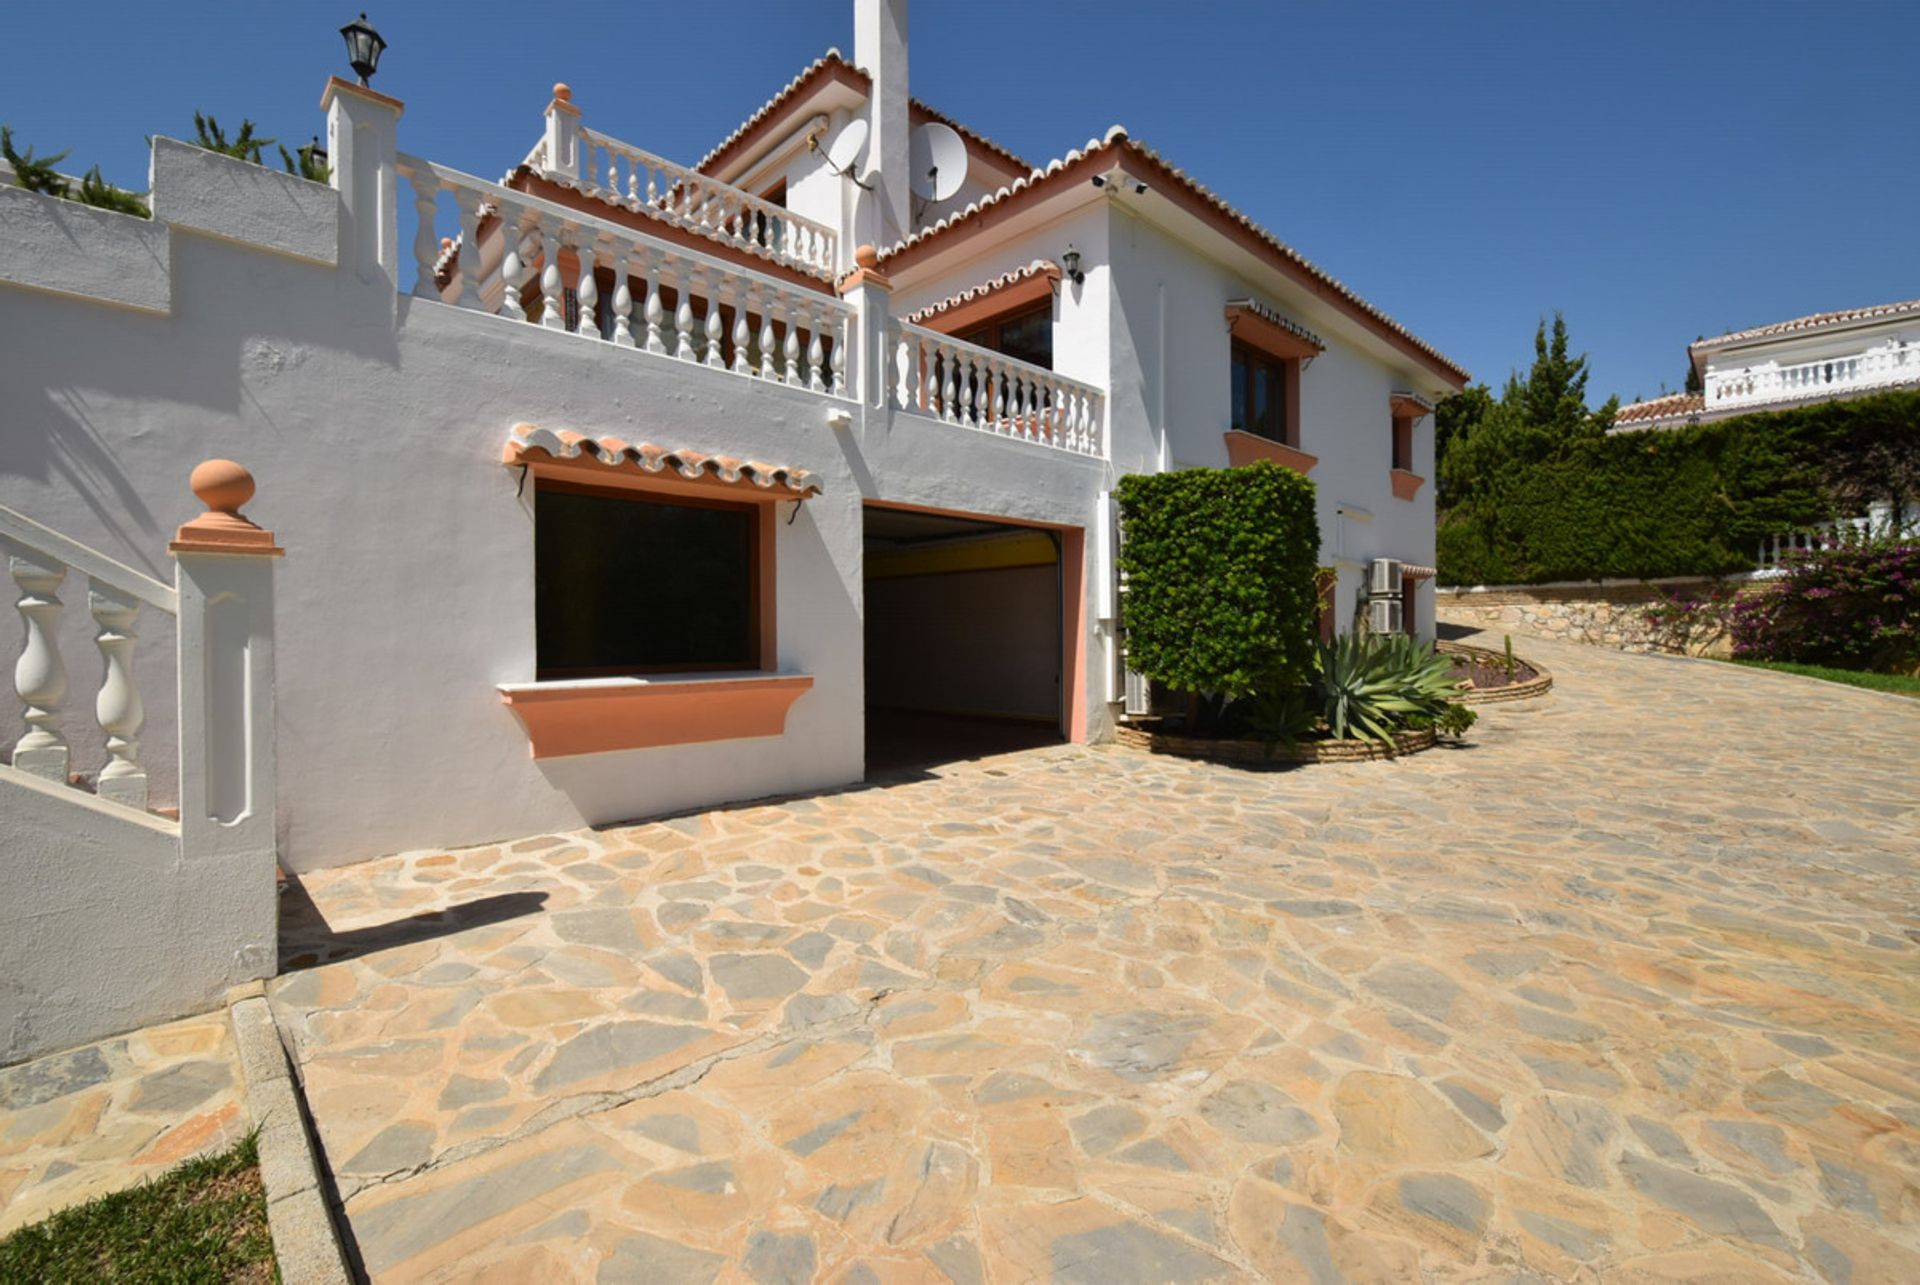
x: 1245, y: 448
x: 1406, y: 485
x: 601, y: 715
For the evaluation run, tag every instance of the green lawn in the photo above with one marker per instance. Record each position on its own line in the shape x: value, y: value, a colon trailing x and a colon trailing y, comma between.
x: 205, y: 1220
x: 1899, y: 684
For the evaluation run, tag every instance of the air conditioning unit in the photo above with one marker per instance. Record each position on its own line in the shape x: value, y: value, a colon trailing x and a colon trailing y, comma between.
x: 1139, y: 694
x: 1384, y: 614
x: 1384, y: 577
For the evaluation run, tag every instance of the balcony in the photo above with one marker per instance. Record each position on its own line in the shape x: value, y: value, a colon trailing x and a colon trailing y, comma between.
x: 537, y: 262
x: 1882, y: 367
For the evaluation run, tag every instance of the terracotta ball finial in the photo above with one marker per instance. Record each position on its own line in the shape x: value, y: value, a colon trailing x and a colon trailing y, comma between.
x: 223, y: 486
x: 563, y: 91
x: 867, y: 257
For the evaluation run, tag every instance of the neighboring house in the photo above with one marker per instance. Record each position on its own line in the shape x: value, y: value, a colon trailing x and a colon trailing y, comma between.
x: 1829, y: 356
x: 620, y: 486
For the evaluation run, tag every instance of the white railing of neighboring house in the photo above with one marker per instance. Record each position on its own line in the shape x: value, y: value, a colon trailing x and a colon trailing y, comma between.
x: 39, y: 561
x: 1879, y: 522
x: 632, y: 177
x: 973, y: 387
x: 1885, y: 365
x: 721, y: 315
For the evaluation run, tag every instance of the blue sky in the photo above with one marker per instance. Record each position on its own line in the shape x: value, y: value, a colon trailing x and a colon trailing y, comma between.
x: 1656, y: 171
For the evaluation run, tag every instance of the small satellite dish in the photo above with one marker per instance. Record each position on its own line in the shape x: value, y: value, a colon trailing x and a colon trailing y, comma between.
x: 937, y: 159
x: 847, y: 150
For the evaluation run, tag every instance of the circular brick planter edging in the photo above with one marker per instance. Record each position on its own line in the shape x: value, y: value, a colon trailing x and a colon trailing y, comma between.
x: 1256, y: 753
x: 1539, y: 685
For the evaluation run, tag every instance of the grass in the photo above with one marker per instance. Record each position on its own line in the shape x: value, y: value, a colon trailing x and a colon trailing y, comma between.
x: 1899, y: 684
x: 205, y: 1220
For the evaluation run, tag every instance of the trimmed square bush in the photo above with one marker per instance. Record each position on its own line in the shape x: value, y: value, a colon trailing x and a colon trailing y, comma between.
x: 1219, y: 567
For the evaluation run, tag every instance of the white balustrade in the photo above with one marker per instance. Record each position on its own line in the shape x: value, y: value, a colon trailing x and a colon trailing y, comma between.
x: 638, y: 180
x: 39, y: 560
x: 684, y: 297
x: 1879, y: 523
x: 973, y: 387
x: 1881, y: 366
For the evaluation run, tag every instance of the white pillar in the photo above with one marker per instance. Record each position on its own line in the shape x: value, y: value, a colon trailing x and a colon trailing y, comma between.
x: 880, y: 49
x: 362, y: 137
x: 225, y: 656
x: 563, y: 135
x: 871, y: 295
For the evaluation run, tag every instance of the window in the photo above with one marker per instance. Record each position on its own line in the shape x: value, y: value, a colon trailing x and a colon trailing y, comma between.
x: 1024, y: 336
x: 1260, y: 395
x: 631, y: 583
x: 1403, y: 442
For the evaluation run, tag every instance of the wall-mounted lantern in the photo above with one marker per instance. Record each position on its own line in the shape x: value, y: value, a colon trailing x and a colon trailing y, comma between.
x: 1070, y: 264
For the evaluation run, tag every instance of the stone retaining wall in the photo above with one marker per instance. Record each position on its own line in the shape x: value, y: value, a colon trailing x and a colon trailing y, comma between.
x: 1601, y: 613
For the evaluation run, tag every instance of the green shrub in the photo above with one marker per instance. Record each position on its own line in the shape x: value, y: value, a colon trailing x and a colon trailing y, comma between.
x: 1219, y: 566
x: 1695, y: 500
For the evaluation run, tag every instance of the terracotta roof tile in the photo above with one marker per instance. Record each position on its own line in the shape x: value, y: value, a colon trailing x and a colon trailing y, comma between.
x: 1038, y: 268
x: 834, y: 59
x: 1812, y: 322
x: 1116, y: 139
x: 1661, y: 408
x: 694, y: 466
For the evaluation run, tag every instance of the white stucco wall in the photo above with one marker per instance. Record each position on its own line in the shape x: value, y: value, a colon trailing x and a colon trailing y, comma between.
x: 406, y: 596
x: 105, y: 927
x: 1172, y: 399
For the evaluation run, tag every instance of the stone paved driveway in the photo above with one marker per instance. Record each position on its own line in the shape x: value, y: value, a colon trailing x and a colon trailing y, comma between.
x: 1629, y: 988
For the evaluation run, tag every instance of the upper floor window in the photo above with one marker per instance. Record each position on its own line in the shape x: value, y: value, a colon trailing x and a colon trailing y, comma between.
x: 631, y: 583
x: 1024, y: 336
x: 1403, y: 442
x: 1260, y: 395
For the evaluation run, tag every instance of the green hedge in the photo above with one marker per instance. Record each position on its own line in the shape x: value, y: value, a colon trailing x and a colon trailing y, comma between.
x: 1220, y: 577
x: 1672, y: 502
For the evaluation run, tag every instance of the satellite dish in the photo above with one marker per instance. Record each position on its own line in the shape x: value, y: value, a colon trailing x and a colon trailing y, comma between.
x: 847, y: 150
x: 937, y: 159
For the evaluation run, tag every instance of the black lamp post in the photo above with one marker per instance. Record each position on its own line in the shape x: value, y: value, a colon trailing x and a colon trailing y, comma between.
x: 364, y: 46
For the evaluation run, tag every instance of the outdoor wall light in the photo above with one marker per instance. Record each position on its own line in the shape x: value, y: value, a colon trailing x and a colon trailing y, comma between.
x: 364, y: 47
x: 1070, y: 264
x: 316, y: 154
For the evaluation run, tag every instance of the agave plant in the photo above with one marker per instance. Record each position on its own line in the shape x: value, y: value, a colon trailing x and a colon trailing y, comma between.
x: 1371, y: 685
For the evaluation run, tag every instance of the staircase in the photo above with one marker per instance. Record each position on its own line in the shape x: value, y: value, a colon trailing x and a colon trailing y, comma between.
x: 114, y: 914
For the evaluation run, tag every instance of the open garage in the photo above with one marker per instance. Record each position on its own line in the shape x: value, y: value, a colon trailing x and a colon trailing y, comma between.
x: 963, y: 638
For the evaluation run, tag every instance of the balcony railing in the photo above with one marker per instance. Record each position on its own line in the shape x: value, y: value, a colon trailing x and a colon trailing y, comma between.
x: 534, y: 261
x: 941, y: 377
x: 636, y: 179
x: 1892, y: 363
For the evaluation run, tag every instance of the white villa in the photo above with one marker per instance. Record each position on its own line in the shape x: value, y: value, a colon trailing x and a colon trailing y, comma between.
x: 608, y: 488
x: 1828, y: 356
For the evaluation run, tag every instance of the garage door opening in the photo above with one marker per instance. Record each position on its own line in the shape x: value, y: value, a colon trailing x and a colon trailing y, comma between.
x: 963, y: 638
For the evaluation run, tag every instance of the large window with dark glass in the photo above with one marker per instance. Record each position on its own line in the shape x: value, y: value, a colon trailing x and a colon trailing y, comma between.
x: 1260, y: 394
x: 1025, y: 336
x: 629, y: 583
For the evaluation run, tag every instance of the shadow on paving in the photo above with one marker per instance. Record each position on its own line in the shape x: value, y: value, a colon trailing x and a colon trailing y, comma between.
x: 307, y: 940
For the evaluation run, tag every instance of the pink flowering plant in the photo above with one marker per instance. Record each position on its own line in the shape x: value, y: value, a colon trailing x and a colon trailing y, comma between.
x: 1855, y: 606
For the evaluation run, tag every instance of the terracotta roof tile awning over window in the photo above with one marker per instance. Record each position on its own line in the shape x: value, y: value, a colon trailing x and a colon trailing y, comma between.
x: 1263, y: 328
x: 616, y: 458
x: 1029, y: 285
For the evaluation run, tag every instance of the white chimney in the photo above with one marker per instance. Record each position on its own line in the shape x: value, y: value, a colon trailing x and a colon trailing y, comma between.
x: 880, y: 49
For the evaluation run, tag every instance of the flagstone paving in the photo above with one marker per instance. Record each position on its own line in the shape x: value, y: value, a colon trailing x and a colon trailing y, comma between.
x: 1629, y: 987
x: 97, y: 1119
